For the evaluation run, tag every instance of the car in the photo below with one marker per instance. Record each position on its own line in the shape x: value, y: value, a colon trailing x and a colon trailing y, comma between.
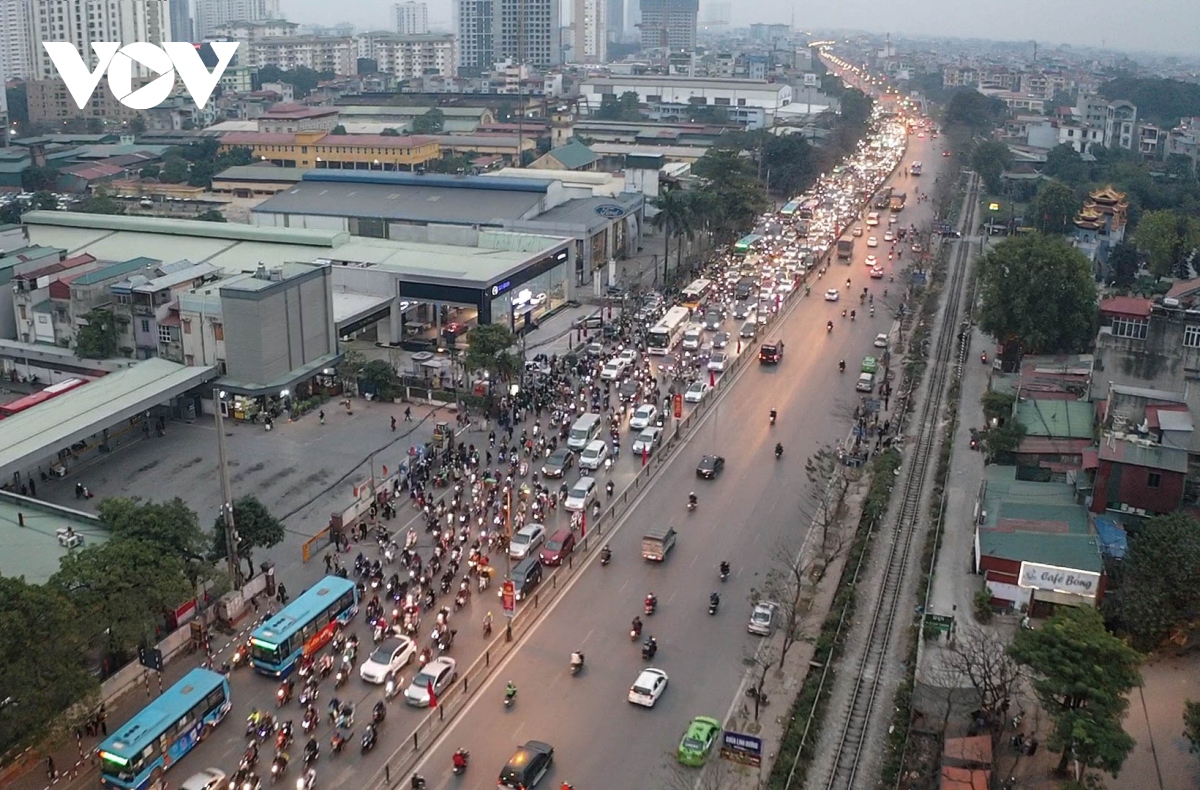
x: 528, y: 766
x: 698, y: 741
x: 594, y: 349
x: 647, y: 440
x: 613, y: 369
x: 644, y: 417
x: 628, y: 390
x: 872, y: 241
x: 881, y: 340
x: 741, y: 310
x: 561, y: 543
x: 716, y: 361
x: 888, y: 235
x: 876, y: 272
x: 208, y: 779
x: 710, y: 466
x: 438, y: 674
x: 916, y: 247
x: 593, y: 456
x: 893, y: 219
x: 391, y: 654
x: 865, y: 383
x: 691, y: 337
x: 696, y: 392
x: 764, y: 313
x: 771, y: 353
x: 749, y: 329
x: 629, y: 355
x: 762, y: 618
x: 946, y: 153
x: 712, y: 320
x: 871, y: 260
x: 785, y: 286
x: 526, y: 540
x: 832, y: 295
x: 858, y: 231
x: 559, y: 462
x: 581, y: 494
x: 648, y: 687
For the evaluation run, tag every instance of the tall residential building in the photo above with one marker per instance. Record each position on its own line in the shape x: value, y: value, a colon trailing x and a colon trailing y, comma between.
x: 181, y: 21
x: 319, y: 53
x: 669, y: 23
x: 615, y: 20
x: 16, y: 39
x: 473, y: 29
x: 589, y: 24
x: 527, y: 31
x: 409, y: 57
x: 210, y: 14
x: 80, y: 22
x: 411, y: 18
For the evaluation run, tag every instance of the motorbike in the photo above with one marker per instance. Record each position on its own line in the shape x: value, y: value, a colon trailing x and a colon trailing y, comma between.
x: 240, y: 656
x: 446, y: 640
x: 378, y: 713
x: 342, y: 676
x: 778, y: 451
x: 461, y: 758
x: 310, y: 720
x: 509, y: 698
x: 284, y: 739
x: 460, y: 600
x: 713, y: 603
x: 391, y: 688
x: 278, y: 767
x: 724, y: 572
x: 283, y: 695
x: 307, y: 782
x: 651, y: 605
x: 309, y: 695
x: 338, y: 742
x: 983, y: 357
x: 829, y: 326
x: 757, y: 694
x: 312, y: 753
x: 842, y: 366
x: 576, y: 663
x: 649, y: 649
x: 772, y: 418
x: 368, y: 739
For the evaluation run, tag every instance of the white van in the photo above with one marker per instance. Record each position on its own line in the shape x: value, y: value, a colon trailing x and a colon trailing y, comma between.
x: 691, y: 338
x: 593, y: 455
x: 585, y: 429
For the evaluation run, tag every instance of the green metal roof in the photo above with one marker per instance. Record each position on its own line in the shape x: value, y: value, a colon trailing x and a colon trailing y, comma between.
x: 1056, y: 419
x: 574, y: 155
x: 187, y: 227
x: 116, y: 270
x: 1036, y: 522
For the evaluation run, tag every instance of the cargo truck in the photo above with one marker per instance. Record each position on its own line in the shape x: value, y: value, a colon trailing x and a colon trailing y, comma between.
x: 657, y: 542
x: 896, y: 201
x: 845, y: 249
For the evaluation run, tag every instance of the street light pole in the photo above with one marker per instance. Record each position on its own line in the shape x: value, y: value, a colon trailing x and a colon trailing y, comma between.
x: 233, y: 566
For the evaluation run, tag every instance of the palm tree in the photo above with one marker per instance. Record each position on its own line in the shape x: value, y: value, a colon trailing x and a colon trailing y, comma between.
x: 673, y: 217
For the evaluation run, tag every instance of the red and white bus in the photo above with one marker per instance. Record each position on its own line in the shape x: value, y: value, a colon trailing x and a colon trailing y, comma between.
x: 29, y: 401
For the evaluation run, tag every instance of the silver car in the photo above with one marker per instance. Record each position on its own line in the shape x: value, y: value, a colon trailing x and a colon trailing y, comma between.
x: 762, y: 619
x: 647, y: 440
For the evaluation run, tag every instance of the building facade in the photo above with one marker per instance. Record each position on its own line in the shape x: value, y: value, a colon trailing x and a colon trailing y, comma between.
x: 1120, y: 126
x: 590, y: 28
x: 16, y: 39
x: 411, y: 18
x: 319, y: 53
x: 669, y: 24
x: 410, y: 56
x: 181, y: 21
x: 473, y: 30
x: 615, y: 20
x: 211, y: 14
x: 668, y: 92
x: 527, y: 32
x: 79, y: 22
x: 323, y: 151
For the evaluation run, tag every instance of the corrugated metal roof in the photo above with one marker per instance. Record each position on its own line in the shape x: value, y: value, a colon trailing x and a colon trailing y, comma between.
x: 185, y: 227
x: 1149, y: 455
x: 573, y: 155
x: 116, y: 270
x: 1057, y: 419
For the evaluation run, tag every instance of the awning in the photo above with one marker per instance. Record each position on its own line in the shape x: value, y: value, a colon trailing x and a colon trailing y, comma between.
x: 286, y: 382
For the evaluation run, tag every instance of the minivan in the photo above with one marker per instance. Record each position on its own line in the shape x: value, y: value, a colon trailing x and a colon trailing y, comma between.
x: 593, y: 455
x: 526, y: 576
x: 585, y: 429
x: 691, y: 338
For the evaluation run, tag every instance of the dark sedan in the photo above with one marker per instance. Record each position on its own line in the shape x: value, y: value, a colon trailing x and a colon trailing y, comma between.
x: 710, y: 466
x: 558, y: 463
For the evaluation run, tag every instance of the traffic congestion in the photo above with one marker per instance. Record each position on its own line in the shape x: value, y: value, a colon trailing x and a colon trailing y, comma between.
x: 493, y: 516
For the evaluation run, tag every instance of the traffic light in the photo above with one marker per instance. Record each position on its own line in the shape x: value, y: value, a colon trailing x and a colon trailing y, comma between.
x: 151, y: 658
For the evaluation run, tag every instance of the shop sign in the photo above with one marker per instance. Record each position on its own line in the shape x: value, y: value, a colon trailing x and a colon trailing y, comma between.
x: 610, y: 211
x: 741, y: 748
x: 1064, y: 580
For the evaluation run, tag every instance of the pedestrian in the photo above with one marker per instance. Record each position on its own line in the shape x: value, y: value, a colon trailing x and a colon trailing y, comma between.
x: 328, y: 563
x: 321, y: 416
x: 408, y: 413
x: 393, y: 423
x: 103, y: 716
x: 32, y: 487
x: 51, y: 771
x: 281, y: 594
x: 254, y: 603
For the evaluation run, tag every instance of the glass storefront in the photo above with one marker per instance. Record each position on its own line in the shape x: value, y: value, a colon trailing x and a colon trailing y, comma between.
x: 535, y: 297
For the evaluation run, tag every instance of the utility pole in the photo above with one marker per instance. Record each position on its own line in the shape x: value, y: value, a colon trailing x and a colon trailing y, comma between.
x: 233, y: 565
x: 521, y: 82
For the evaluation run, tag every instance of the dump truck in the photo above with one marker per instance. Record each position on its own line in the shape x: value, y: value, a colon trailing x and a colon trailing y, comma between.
x: 657, y: 542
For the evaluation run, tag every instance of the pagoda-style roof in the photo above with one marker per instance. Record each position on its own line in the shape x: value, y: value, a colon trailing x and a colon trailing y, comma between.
x: 1107, y: 196
x: 1103, y: 203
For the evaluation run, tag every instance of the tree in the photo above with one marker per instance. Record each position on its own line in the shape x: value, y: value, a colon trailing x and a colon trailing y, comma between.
x: 211, y: 215
x: 791, y: 164
x: 997, y: 406
x: 673, y: 218
x: 150, y: 171
x: 174, y: 171
x: 37, y: 178
x: 708, y: 113
x: 1039, y: 291
x: 41, y: 670
x: 390, y: 132
x: 380, y: 376
x: 488, y: 350
x: 1001, y: 441
x: 170, y: 526
x: 121, y: 590
x: 973, y: 110
x: 1159, y: 581
x: 1163, y: 100
x: 735, y: 198
x: 339, y: 130
x: 626, y: 107
x: 1168, y: 238
x: 1054, y: 208
x: 1066, y: 164
x: 97, y: 338
x: 302, y: 79
x: 350, y: 368
x: 256, y: 528
x: 990, y: 159
x: 1123, y: 262
x: 201, y: 174
x: 44, y: 200
x: 432, y: 122
x: 101, y: 203
x: 1191, y: 725
x: 981, y: 659
x: 137, y: 125
x: 1081, y: 675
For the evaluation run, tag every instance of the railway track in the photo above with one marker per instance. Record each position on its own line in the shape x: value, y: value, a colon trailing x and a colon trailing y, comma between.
x: 866, y: 670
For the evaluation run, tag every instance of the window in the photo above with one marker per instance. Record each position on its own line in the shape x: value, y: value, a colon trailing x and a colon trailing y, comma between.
x: 164, y: 334
x: 218, y: 331
x: 1191, y: 337
x: 1134, y: 328
x: 1154, y: 480
x: 145, y: 324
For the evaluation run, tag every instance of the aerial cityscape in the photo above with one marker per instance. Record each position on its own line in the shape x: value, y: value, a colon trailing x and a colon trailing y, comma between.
x: 635, y: 394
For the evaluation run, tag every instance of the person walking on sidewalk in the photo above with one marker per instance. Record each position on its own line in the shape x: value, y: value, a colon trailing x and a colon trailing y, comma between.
x: 408, y: 413
x: 51, y: 771
x: 393, y: 423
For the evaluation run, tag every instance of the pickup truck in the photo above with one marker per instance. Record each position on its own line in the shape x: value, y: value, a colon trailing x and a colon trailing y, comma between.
x: 657, y: 542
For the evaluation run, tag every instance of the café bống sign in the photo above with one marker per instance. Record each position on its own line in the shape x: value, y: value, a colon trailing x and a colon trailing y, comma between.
x: 1063, y: 580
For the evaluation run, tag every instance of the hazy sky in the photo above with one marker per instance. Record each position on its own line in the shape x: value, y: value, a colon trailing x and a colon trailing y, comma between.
x: 1131, y: 25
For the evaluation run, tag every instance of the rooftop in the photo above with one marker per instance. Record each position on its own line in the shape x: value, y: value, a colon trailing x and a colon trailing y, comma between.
x: 32, y: 551
x: 115, y: 270
x: 686, y: 82
x: 1057, y: 419
x: 1144, y: 453
x: 263, y: 172
x: 573, y: 155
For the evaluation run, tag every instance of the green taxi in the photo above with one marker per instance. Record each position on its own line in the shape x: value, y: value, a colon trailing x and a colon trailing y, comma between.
x: 698, y: 741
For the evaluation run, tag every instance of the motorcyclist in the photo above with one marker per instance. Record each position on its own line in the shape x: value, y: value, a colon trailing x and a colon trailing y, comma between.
x: 828, y: 326
x: 577, y: 659
x: 606, y: 553
x: 842, y: 366
x: 692, y: 500
x: 311, y: 749
x: 773, y: 416
x: 714, y: 598
x: 460, y: 759
x: 510, y: 690
x: 651, y: 600
x: 379, y: 711
x: 636, y: 626
x: 724, y: 568
x: 778, y: 449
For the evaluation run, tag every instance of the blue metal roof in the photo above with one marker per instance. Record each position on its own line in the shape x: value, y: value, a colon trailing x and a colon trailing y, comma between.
x: 400, y: 178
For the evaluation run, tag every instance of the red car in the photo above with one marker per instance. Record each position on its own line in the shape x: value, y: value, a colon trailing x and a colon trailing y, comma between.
x: 560, y: 544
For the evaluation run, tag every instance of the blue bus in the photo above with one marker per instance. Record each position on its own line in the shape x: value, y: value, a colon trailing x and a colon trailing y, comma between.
x: 139, y: 753
x: 304, y: 626
x: 790, y: 208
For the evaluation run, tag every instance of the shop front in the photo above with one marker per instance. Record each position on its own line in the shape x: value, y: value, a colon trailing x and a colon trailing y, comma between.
x: 1051, y: 586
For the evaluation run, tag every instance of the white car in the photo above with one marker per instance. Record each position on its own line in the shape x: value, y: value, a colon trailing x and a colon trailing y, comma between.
x: 871, y: 260
x: 872, y: 241
x: 716, y: 362
x: 438, y: 673
x: 888, y: 235
x: 208, y: 779
x: 645, y: 416
x: 881, y: 340
x: 762, y: 619
x: 831, y: 295
x: 582, y: 494
x: 648, y: 687
x: 629, y: 355
x: 526, y: 540
x: 613, y: 369
x: 646, y: 441
x: 392, y: 653
x: 593, y: 455
x: 785, y: 286
x: 696, y: 392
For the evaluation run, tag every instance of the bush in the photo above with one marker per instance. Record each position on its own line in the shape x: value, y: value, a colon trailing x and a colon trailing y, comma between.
x: 983, y: 605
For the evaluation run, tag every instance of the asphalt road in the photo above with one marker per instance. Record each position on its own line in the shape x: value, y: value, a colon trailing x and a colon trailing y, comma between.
x: 748, y: 516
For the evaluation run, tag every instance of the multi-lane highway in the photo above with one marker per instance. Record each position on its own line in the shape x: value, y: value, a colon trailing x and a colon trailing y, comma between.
x: 746, y: 516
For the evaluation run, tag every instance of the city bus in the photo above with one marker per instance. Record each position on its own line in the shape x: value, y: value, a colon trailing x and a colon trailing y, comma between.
x: 746, y: 244
x: 808, y: 207
x: 695, y: 294
x: 29, y: 401
x: 304, y: 626
x: 669, y: 331
x: 790, y: 208
x: 160, y: 734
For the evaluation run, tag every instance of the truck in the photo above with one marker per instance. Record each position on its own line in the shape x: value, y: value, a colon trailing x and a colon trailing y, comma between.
x: 657, y: 542
x: 882, y: 198
x: 896, y: 201
x: 845, y: 249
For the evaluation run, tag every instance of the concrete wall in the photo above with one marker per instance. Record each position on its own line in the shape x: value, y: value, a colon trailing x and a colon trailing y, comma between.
x: 1124, y: 484
x: 280, y: 330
